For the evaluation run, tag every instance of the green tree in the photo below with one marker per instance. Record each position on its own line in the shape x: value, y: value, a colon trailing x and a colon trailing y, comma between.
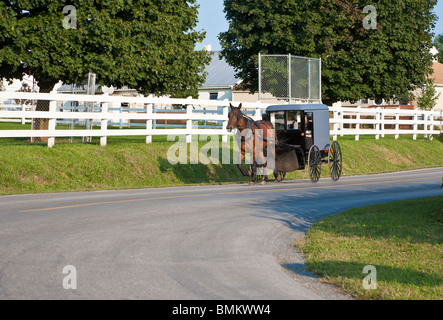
x: 438, y: 43
x: 146, y: 45
x: 428, y: 97
x: 358, y: 61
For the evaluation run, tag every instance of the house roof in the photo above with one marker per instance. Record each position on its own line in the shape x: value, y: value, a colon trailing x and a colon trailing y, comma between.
x: 438, y: 73
x: 219, y: 72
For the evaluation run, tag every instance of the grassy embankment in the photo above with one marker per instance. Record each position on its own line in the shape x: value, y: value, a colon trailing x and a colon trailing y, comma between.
x: 403, y: 240
x: 127, y: 162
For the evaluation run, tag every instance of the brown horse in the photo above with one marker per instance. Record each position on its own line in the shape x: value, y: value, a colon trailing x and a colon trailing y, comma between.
x: 255, y: 137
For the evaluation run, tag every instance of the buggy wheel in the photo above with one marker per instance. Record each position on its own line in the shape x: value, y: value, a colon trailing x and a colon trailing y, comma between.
x: 314, y: 163
x: 335, y: 161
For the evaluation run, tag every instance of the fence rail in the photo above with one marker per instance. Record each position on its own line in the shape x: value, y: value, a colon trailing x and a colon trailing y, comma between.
x: 149, y: 111
x: 151, y: 116
x: 380, y: 122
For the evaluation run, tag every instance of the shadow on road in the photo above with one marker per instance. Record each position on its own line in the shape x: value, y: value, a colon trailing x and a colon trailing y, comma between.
x: 201, y: 173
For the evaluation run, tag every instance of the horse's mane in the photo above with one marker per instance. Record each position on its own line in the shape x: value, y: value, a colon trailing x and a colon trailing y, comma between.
x: 250, y: 121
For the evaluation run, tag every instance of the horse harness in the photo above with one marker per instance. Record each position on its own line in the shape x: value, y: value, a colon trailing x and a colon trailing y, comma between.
x: 249, y: 123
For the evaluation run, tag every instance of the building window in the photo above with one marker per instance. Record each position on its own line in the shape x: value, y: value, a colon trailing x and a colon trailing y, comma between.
x: 403, y: 102
x: 379, y: 102
x: 213, y: 95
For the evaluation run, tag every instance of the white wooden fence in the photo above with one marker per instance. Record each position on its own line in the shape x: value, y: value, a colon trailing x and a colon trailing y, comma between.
x: 380, y: 122
x: 149, y: 110
x: 145, y: 110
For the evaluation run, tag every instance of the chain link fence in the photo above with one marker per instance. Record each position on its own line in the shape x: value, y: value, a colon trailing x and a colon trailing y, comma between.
x: 288, y: 78
x: 40, y: 105
x: 86, y: 86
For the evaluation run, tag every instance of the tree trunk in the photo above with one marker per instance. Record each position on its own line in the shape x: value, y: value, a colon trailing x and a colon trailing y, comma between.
x: 42, y: 105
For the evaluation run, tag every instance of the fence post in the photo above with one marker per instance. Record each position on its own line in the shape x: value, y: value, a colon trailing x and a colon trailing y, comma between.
x: 397, y: 123
x: 431, y: 126
x: 149, y: 123
x: 377, y: 123
x: 257, y: 114
x: 335, y: 118
x: 23, y: 118
x: 154, y: 122
x: 259, y: 77
x: 357, y: 125
x: 425, y: 124
x: 382, y: 122
x: 52, y: 121
x: 342, y: 117
x: 225, y: 123
x: 188, y: 124
x: 415, y: 127
x: 289, y: 78
x: 104, y: 124
x: 120, y: 121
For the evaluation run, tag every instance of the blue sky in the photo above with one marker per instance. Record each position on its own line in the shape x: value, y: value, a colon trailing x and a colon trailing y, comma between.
x: 212, y: 20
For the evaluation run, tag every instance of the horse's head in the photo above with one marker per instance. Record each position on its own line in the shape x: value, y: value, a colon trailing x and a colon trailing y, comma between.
x: 234, y: 117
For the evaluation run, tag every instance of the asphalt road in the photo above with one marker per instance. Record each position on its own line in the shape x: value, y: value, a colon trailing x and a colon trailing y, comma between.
x: 211, y: 242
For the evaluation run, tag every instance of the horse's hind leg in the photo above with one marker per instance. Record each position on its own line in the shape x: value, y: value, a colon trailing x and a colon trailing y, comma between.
x: 262, y: 176
x: 253, y: 174
x: 277, y: 176
x: 265, y: 179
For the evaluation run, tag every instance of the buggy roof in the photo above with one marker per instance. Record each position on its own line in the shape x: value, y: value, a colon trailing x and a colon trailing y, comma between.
x: 297, y: 107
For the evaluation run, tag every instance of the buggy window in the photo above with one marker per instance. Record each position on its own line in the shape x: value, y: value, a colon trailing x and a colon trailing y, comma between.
x: 287, y: 120
x: 294, y: 120
x: 308, y: 122
x: 280, y: 120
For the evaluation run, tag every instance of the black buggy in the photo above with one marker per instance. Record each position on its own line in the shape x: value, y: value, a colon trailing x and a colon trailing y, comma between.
x: 303, y: 140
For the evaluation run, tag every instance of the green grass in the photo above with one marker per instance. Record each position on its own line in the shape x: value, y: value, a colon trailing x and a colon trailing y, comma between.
x: 128, y: 162
x: 403, y: 240
x: 125, y: 163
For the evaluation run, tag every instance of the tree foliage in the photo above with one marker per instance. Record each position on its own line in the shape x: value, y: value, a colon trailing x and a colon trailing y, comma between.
x: 357, y: 62
x: 147, y: 45
x: 438, y: 43
x: 428, y: 97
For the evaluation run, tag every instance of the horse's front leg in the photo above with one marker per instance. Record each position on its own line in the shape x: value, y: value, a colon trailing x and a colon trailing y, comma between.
x: 243, y: 171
